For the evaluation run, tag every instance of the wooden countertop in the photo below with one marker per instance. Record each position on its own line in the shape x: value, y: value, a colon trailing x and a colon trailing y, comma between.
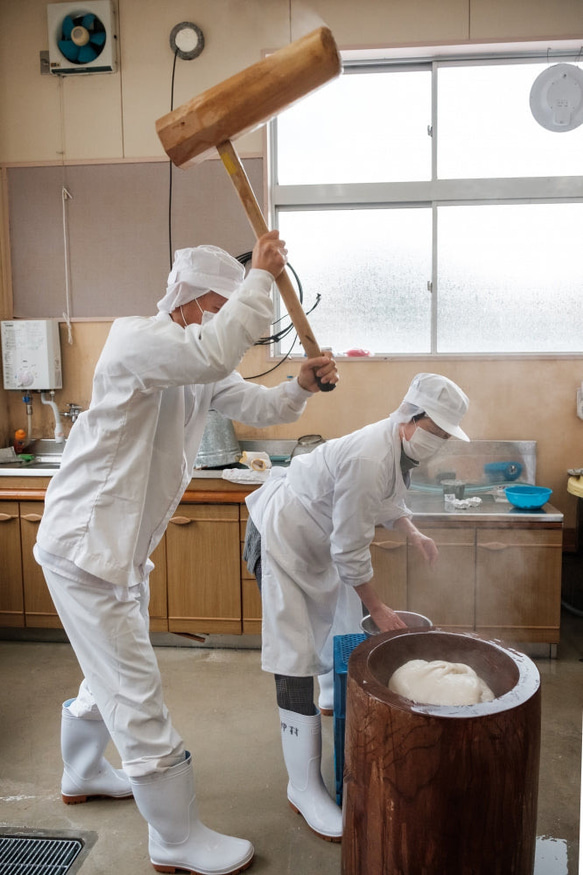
x: 203, y: 491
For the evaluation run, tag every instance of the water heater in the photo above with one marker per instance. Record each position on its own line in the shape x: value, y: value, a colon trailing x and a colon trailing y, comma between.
x: 31, y: 354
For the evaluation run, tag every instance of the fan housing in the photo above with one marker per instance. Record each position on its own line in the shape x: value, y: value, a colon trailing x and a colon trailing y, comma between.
x: 82, y: 37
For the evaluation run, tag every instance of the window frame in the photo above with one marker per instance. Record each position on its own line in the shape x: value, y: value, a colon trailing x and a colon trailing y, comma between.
x: 433, y: 193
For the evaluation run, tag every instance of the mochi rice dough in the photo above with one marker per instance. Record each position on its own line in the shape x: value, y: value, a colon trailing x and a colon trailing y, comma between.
x: 439, y: 683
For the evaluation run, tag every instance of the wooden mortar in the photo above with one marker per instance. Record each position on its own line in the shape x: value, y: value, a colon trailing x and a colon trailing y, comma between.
x: 440, y: 790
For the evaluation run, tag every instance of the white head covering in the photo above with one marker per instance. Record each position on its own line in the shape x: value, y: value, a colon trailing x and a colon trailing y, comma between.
x: 440, y: 398
x: 197, y: 271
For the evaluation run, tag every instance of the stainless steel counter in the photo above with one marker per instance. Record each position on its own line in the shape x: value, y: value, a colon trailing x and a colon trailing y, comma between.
x: 432, y: 506
x: 37, y: 470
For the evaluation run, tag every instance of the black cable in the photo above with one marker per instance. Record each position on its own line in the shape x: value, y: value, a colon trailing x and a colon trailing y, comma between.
x: 244, y: 259
x: 283, y: 332
x: 170, y: 165
x: 278, y: 365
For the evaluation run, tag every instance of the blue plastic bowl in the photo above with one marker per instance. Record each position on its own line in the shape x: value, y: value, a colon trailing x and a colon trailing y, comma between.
x: 528, y: 497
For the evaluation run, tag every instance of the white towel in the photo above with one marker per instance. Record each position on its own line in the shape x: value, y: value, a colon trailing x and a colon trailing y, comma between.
x: 237, y: 475
x: 7, y: 454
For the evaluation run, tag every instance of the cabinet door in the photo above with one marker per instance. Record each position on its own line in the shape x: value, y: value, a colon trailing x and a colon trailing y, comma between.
x: 38, y: 605
x: 158, y: 590
x: 444, y: 592
x: 388, y: 553
x: 204, y: 569
x: 11, y: 595
x: 250, y: 595
x: 518, y: 592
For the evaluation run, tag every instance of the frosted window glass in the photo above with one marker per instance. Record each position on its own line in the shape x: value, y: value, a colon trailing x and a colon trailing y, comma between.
x: 371, y: 268
x: 486, y: 129
x: 510, y: 278
x: 359, y: 128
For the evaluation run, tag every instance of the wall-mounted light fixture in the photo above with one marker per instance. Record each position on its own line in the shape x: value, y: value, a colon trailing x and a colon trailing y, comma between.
x: 556, y: 97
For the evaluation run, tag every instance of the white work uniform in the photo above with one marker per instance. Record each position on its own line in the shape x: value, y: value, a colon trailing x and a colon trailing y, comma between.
x: 316, y: 522
x: 124, y: 470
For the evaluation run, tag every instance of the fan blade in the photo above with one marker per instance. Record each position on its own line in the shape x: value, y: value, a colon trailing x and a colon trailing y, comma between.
x: 69, y: 49
x: 86, y: 54
x: 88, y: 20
x: 97, y: 39
x: 67, y: 27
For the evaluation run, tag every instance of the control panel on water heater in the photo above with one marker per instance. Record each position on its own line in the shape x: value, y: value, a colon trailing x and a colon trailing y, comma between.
x: 31, y: 354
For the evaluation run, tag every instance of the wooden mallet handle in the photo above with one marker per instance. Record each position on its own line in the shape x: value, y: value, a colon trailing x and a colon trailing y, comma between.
x: 257, y: 221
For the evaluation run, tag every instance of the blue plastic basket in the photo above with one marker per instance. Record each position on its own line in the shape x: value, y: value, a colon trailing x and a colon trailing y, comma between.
x: 343, y: 647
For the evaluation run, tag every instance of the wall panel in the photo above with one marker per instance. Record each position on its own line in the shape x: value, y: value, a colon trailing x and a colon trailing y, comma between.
x: 118, y: 221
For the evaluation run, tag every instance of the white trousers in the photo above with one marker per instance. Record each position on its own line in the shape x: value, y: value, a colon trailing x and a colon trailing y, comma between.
x: 107, y: 626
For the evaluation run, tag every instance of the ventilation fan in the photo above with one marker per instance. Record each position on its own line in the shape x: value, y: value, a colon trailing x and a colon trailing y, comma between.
x: 81, y: 37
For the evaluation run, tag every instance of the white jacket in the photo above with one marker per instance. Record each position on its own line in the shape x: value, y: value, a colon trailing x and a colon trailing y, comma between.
x: 316, y: 523
x: 130, y: 456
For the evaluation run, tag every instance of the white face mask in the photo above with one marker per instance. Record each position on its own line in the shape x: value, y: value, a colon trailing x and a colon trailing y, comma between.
x: 422, y: 445
x: 206, y: 314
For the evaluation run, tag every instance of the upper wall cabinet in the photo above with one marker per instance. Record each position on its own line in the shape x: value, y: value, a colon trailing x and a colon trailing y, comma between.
x: 525, y: 20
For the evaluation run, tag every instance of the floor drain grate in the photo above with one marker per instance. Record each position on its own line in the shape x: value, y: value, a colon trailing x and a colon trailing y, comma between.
x: 26, y: 855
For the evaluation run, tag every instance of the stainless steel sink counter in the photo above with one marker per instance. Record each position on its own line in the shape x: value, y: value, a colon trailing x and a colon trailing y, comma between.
x: 47, y: 454
x: 47, y: 457
x: 31, y: 469
x: 432, y: 506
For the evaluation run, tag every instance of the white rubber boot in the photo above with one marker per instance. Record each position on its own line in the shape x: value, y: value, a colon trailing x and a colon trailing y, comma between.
x: 301, y: 739
x: 178, y: 839
x: 326, y: 697
x: 87, y: 773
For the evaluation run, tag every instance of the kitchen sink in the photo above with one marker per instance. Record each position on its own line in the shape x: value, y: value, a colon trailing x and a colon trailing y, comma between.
x: 47, y: 456
x: 17, y: 467
x: 50, y: 446
x: 47, y: 453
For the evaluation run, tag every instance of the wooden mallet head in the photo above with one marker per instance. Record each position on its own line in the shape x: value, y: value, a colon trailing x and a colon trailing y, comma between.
x: 249, y: 98
x: 239, y: 105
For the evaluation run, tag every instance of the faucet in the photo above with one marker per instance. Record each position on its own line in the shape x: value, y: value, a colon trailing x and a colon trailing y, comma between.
x: 73, y: 412
x: 59, y: 433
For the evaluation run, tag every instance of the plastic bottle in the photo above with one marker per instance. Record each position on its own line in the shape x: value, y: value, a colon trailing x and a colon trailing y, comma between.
x: 19, y: 440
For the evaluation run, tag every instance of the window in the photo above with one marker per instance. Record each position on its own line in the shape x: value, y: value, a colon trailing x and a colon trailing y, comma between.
x: 431, y: 212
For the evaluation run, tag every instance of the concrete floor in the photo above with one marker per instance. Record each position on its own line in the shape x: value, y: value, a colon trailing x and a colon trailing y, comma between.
x: 224, y: 706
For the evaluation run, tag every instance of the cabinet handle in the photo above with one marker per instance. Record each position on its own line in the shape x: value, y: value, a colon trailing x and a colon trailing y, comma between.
x: 32, y: 517
x: 181, y: 520
x: 496, y: 545
x: 4, y: 517
x: 387, y: 545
